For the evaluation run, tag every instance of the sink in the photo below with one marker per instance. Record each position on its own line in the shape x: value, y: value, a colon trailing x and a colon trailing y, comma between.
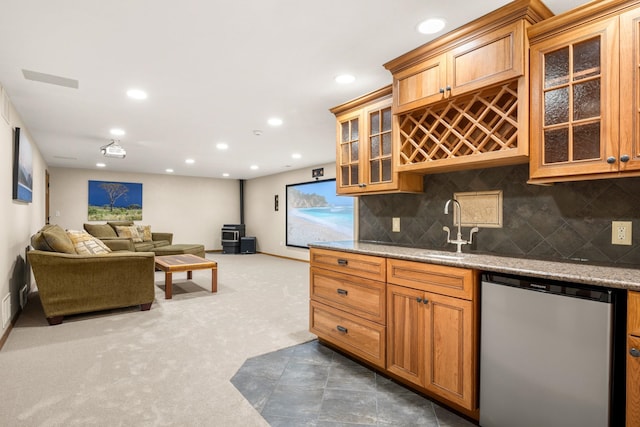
x: 443, y: 256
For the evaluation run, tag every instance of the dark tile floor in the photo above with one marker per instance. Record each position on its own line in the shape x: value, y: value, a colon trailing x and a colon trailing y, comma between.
x: 311, y: 385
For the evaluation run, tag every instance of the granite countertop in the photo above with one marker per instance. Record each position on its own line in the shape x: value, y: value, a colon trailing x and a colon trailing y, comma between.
x: 574, y: 272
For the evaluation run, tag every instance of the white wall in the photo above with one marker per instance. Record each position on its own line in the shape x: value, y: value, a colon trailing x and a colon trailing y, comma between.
x: 19, y: 220
x: 193, y: 209
x: 261, y: 219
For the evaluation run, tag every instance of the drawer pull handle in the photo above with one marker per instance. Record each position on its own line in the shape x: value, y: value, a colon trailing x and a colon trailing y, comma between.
x: 343, y: 291
x: 634, y: 352
x: 341, y: 329
x: 343, y: 261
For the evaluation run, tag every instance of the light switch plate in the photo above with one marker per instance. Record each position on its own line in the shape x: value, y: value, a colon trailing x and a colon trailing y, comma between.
x: 395, y: 225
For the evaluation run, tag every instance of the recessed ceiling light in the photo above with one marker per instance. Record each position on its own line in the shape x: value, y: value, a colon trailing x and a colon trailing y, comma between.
x: 189, y: 161
x: 100, y: 165
x: 225, y: 174
x: 222, y: 145
x: 117, y: 132
x: 137, y: 94
x: 274, y: 121
x: 169, y: 170
x: 345, y: 79
x: 296, y: 156
x: 431, y: 25
x: 254, y: 167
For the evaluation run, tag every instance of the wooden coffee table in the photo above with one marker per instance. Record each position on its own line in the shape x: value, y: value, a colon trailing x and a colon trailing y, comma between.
x: 185, y: 262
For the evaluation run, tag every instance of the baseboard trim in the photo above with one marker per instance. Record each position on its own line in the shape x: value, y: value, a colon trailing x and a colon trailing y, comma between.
x: 283, y: 257
x: 211, y: 251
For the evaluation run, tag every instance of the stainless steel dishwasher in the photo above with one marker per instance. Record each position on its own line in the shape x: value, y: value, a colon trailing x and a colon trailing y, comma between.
x: 546, y: 351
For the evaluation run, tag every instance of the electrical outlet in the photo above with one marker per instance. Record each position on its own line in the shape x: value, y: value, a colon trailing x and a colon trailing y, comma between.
x: 395, y: 225
x: 621, y: 232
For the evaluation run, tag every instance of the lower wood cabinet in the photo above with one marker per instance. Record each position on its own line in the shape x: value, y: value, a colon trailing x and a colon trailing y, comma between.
x: 430, y: 343
x: 633, y: 360
x: 348, y: 303
x: 416, y: 322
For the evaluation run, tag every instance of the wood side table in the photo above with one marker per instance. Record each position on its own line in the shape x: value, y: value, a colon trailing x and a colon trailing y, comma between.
x: 184, y: 262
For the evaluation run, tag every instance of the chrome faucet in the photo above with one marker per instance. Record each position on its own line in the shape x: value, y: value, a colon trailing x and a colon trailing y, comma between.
x: 458, y: 241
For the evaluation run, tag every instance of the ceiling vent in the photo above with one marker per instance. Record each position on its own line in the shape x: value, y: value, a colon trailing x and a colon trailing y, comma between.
x: 50, y: 78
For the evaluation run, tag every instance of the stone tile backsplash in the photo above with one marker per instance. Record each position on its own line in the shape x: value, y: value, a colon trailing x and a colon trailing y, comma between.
x: 563, y: 221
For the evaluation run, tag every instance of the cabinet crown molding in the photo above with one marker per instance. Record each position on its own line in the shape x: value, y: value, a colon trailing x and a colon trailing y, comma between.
x: 532, y: 11
x: 592, y: 11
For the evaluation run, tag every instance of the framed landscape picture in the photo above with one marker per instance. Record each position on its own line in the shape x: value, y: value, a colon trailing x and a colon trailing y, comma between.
x: 316, y: 214
x: 115, y: 201
x: 22, y: 167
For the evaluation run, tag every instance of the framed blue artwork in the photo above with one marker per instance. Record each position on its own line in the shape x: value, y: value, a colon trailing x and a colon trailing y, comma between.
x: 22, y: 167
x: 114, y: 201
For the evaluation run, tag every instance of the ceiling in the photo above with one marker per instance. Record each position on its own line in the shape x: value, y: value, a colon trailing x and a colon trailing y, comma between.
x: 215, y: 71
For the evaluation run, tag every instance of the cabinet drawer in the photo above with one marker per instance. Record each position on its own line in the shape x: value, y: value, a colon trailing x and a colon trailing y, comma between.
x: 451, y: 281
x: 353, y: 334
x: 367, y: 266
x: 362, y: 297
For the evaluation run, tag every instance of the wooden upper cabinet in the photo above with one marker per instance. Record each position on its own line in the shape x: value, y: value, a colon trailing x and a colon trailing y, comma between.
x: 584, y: 95
x: 461, y: 101
x: 483, y: 61
x: 364, y: 148
x: 630, y: 93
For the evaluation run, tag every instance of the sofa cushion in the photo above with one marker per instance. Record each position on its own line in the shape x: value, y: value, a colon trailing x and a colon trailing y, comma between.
x: 100, y: 230
x: 114, y: 224
x: 129, y: 231
x: 144, y: 246
x: 160, y: 243
x: 52, y: 238
x: 145, y: 232
x: 85, y: 244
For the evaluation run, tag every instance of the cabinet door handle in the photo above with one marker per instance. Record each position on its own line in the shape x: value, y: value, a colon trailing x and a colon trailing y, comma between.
x: 343, y: 291
x: 624, y: 158
x: 634, y: 352
x: 611, y: 160
x: 342, y: 329
x: 342, y: 261
x: 441, y: 90
x: 419, y: 300
x: 425, y: 301
x: 448, y: 88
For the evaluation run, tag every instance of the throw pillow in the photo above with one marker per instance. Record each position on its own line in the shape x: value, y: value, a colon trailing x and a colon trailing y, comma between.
x: 145, y: 232
x: 52, y: 238
x: 86, y: 244
x: 100, y: 230
x: 130, y: 232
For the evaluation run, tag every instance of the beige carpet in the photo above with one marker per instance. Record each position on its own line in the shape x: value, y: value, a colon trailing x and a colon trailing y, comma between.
x: 169, y: 366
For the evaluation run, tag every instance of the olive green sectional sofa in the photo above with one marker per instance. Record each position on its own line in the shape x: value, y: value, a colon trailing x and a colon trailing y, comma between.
x: 125, y: 235
x: 76, y: 273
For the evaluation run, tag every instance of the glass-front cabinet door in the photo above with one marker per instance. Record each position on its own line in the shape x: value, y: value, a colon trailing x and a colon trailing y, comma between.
x: 349, y: 151
x: 365, y: 161
x: 574, y: 103
x: 379, y: 144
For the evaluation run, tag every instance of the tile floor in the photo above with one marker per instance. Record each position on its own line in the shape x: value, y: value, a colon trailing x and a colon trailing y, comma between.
x: 311, y: 385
